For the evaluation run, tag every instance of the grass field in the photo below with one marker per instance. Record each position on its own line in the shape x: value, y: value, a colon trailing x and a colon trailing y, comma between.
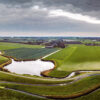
x: 6, y: 46
x: 72, y: 58
x: 24, y: 51
x: 75, y: 57
x: 28, y: 53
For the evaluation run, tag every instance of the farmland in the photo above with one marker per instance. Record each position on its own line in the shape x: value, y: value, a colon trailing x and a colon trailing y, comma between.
x: 28, y: 53
x: 23, y: 51
x: 72, y: 58
x: 75, y: 57
x: 7, y: 46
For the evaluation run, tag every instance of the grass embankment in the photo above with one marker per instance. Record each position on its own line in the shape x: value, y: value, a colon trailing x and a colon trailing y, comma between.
x: 76, y: 89
x: 73, y: 58
x: 35, y: 80
x: 3, y: 60
x: 28, y: 53
x: 14, y: 95
x: 92, y: 96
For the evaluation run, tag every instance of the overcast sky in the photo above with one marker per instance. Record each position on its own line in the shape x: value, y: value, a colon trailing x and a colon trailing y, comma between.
x: 49, y: 17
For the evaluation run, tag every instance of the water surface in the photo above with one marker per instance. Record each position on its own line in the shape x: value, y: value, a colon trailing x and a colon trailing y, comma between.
x: 29, y: 67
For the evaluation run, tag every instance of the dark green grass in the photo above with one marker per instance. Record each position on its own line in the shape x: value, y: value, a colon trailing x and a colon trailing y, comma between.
x: 75, y: 57
x: 80, y: 86
x: 13, y: 95
x: 34, y: 80
x: 92, y: 96
x: 28, y: 53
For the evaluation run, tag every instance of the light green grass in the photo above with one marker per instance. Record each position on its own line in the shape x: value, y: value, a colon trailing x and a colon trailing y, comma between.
x: 3, y: 59
x: 6, y: 46
x: 75, y: 57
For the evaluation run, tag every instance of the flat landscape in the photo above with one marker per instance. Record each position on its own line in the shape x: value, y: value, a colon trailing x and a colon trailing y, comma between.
x: 72, y: 58
x: 28, y: 53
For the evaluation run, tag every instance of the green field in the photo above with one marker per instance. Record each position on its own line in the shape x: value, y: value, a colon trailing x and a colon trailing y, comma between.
x: 24, y: 51
x: 28, y: 53
x: 6, y: 46
x: 75, y: 57
x: 72, y: 58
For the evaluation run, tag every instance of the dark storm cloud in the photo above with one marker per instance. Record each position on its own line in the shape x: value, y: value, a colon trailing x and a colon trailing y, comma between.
x: 87, y: 5
x: 15, y: 1
x: 32, y: 15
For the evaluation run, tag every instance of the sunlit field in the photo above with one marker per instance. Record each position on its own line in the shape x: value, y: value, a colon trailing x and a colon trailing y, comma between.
x: 75, y: 57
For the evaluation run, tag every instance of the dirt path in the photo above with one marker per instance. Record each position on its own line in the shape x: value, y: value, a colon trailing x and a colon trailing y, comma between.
x: 51, y: 54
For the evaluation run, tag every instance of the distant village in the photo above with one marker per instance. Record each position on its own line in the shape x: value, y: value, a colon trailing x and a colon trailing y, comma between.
x: 51, y: 42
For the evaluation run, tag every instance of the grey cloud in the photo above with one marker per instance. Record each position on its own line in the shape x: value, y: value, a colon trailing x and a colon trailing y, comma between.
x: 17, y: 15
x: 89, y: 7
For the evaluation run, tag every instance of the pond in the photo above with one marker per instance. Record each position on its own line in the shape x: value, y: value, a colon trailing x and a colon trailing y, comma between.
x: 29, y: 67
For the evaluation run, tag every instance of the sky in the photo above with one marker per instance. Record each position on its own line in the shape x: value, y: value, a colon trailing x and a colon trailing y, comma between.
x: 50, y: 18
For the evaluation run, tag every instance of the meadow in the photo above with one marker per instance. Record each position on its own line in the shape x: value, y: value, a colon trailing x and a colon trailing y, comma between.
x: 74, y: 58
x: 7, y: 46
